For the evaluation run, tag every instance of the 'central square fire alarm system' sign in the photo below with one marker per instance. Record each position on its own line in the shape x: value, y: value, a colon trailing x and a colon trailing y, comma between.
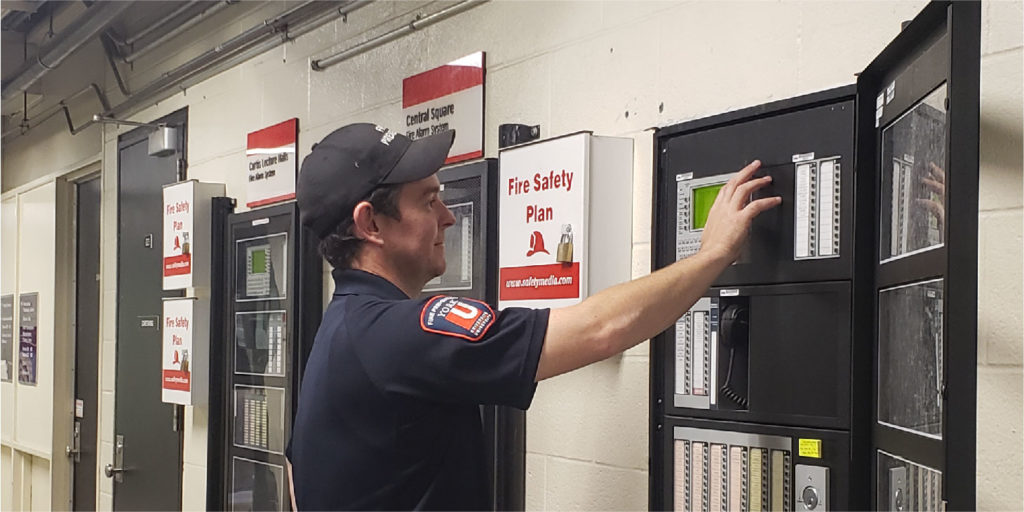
x: 450, y: 97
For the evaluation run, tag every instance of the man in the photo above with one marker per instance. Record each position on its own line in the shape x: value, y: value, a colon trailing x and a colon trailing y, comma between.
x: 388, y: 412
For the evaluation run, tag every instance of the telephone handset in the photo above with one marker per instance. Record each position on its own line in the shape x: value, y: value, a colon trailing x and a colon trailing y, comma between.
x: 735, y: 326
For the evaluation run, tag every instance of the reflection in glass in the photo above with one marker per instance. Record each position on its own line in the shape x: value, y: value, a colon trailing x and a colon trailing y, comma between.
x: 913, y: 178
x: 462, y: 247
x: 260, y: 346
x: 904, y: 485
x: 910, y: 360
x: 259, y: 418
x: 257, y: 486
x: 261, y: 267
x: 458, y: 252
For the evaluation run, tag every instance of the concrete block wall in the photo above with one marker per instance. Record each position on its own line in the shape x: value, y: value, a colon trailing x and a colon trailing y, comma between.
x: 1000, y: 333
x: 617, y: 68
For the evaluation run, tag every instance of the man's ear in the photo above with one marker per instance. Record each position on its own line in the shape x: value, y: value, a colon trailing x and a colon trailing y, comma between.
x: 365, y: 226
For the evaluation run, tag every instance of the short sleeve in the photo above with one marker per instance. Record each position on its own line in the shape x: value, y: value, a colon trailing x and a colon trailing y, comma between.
x: 449, y: 349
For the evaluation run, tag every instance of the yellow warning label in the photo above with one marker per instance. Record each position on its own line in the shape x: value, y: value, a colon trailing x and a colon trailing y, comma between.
x: 810, y: 448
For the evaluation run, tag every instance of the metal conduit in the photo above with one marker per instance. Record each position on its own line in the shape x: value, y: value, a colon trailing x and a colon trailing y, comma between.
x: 418, y: 23
x: 191, y: 72
x: 94, y: 21
x: 176, y: 31
x: 159, y: 24
x: 38, y: 119
x: 315, y: 13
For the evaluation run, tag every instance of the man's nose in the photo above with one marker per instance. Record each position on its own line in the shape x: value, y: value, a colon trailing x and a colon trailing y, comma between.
x: 447, y: 218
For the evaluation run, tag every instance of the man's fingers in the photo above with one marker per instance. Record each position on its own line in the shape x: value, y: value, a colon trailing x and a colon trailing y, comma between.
x: 744, y: 191
x: 741, y: 177
x: 937, y: 172
x: 936, y: 186
x: 756, y: 207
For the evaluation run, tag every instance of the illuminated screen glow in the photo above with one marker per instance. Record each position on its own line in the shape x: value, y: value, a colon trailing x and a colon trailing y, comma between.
x: 703, y: 198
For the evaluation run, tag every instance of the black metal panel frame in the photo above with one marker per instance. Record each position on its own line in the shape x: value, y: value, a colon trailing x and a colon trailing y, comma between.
x: 306, y: 291
x: 662, y: 233
x: 954, y: 29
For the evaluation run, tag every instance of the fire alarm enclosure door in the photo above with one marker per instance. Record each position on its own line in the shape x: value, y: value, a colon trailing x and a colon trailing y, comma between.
x: 918, y: 140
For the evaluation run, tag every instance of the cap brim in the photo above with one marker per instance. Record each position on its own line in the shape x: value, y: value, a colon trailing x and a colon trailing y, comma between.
x: 423, y: 158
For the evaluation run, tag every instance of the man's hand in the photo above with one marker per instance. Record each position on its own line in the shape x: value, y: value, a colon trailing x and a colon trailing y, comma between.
x: 732, y: 213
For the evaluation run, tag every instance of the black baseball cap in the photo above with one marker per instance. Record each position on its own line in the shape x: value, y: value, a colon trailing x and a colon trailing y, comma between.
x: 349, y: 163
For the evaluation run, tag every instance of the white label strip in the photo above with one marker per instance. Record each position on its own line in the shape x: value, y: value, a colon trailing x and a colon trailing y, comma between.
x: 679, y: 486
x: 467, y: 247
x: 713, y: 387
x: 716, y: 477
x: 803, y: 157
x: 803, y: 202
x: 736, y: 481
x: 826, y: 208
x: 697, y: 476
x: 681, y: 356
x: 700, y: 346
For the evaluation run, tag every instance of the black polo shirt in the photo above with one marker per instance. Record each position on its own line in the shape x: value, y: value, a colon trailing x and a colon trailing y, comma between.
x: 388, y: 414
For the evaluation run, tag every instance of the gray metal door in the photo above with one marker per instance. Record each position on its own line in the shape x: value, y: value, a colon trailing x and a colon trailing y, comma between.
x: 148, y: 435
x: 87, y: 330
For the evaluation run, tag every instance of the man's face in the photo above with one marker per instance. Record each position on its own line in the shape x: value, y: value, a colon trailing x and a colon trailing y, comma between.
x: 415, y: 244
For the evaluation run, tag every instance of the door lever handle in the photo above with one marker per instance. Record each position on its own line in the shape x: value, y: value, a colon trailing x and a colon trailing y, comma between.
x: 110, y: 471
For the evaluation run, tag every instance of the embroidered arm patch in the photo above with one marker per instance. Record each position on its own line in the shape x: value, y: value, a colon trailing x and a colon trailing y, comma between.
x: 457, y: 316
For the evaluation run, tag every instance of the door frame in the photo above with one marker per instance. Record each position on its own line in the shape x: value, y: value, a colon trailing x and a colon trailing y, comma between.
x: 62, y: 470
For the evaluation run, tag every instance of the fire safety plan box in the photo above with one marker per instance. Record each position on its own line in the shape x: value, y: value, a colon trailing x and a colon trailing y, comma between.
x: 186, y: 235
x: 565, y: 211
x: 185, y: 360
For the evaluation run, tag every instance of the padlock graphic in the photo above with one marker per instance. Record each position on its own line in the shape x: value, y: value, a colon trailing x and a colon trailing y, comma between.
x: 564, y: 252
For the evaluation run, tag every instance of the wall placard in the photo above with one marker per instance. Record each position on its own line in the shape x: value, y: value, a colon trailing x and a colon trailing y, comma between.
x: 448, y: 97
x: 7, y: 338
x: 28, y: 338
x: 272, y: 164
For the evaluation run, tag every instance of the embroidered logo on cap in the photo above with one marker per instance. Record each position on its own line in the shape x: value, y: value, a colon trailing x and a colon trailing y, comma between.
x: 457, y: 316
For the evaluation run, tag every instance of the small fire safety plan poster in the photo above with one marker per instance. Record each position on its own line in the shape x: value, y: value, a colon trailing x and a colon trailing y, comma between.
x: 178, y: 235
x: 177, y: 329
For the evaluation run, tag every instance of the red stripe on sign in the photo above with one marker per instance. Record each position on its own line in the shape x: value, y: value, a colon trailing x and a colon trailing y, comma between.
x: 269, y: 200
x: 178, y: 265
x: 281, y: 134
x: 465, y: 156
x: 177, y: 380
x: 558, y: 281
x: 439, y: 82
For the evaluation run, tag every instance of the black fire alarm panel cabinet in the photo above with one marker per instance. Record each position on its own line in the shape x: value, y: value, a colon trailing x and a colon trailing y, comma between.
x: 832, y: 367
x: 267, y: 309
x: 470, y: 191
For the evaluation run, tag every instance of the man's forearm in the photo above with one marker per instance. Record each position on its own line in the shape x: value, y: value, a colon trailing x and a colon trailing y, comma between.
x: 624, y: 315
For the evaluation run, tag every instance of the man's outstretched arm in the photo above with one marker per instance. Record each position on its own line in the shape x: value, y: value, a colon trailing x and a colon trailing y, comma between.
x: 622, y: 316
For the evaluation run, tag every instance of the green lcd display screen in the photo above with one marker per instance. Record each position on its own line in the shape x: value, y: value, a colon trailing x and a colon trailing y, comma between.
x: 703, y: 198
x: 259, y: 261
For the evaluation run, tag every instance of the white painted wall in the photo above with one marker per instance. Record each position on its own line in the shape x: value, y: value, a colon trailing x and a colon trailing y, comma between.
x: 616, y: 68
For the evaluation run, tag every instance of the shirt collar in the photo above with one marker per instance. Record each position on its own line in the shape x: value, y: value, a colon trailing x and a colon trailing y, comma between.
x: 352, y: 281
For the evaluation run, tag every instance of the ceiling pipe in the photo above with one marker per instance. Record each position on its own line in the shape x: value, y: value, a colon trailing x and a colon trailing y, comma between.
x: 95, y: 19
x: 39, y: 118
x: 161, y: 23
x: 191, y: 73
x: 176, y: 31
x: 256, y: 40
x: 418, y: 23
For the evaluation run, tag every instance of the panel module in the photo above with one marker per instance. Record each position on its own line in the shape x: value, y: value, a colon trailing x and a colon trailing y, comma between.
x: 723, y: 470
x: 816, y: 223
